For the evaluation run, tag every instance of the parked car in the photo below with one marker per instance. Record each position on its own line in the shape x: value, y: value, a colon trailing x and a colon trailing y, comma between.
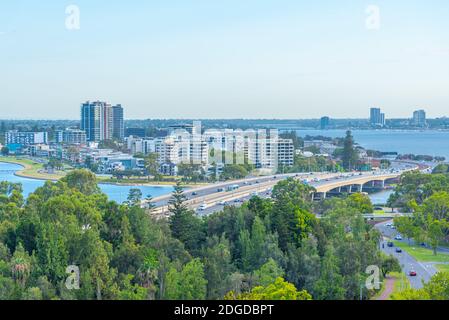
x: 398, y: 250
x: 398, y: 237
x: 390, y: 244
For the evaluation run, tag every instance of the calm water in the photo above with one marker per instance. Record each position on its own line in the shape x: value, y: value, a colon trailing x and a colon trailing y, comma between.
x: 116, y: 193
x: 429, y: 142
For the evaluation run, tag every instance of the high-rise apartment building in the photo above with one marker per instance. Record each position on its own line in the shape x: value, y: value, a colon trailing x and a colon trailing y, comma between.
x: 101, y: 121
x: 419, y: 118
x: 324, y: 123
x: 118, y: 127
x: 377, y: 118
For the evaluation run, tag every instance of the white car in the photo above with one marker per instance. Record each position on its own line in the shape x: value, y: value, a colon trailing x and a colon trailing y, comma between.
x: 398, y: 237
x: 202, y: 207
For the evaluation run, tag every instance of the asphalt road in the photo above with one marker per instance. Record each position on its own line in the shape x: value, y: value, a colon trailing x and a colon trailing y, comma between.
x: 424, y: 270
x: 212, y: 196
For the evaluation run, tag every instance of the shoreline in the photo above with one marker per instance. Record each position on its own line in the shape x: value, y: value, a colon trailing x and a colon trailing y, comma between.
x: 20, y: 173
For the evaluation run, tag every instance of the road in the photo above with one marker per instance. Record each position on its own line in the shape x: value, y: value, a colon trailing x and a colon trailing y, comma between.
x: 213, y: 197
x: 424, y: 270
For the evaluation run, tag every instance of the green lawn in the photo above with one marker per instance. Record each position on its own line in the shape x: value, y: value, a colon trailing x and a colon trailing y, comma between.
x: 32, y: 169
x: 442, y: 267
x: 422, y: 254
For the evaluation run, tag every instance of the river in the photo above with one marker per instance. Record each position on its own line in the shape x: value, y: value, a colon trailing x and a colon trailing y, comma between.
x: 425, y: 142
x: 118, y: 193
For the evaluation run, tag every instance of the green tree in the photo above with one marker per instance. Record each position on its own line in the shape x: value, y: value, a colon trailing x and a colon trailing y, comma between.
x: 82, y: 180
x: 349, y: 155
x: 268, y: 273
x: 279, y: 290
x: 5, y: 151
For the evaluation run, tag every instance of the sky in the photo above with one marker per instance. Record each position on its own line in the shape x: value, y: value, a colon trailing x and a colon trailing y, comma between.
x: 284, y: 59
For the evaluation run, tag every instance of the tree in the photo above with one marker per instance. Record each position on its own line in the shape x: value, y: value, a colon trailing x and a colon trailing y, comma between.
x: 279, y: 290
x: 360, y: 202
x: 268, y: 273
x: 185, y: 226
x: 189, y: 284
x: 5, y: 151
x: 350, y: 155
x: 389, y: 264
x: 152, y: 166
x: 82, y: 180
x: 218, y: 266
x: 134, y: 197
x: 130, y: 291
x: 330, y: 285
x: 405, y: 226
x: 436, y: 232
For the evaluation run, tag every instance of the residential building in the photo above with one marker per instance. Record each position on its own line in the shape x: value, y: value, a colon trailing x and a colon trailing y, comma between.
x: 101, y: 121
x: 25, y: 138
x: 286, y: 152
x: 118, y: 126
x: 71, y: 136
x: 135, y: 132
x: 324, y: 123
x: 377, y: 118
x: 419, y: 118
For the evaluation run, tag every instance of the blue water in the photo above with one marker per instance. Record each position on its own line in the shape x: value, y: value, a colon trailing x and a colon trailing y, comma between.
x: 114, y: 192
x: 429, y: 142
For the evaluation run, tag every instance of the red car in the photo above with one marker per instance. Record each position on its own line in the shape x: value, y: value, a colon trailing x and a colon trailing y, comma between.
x: 412, y: 273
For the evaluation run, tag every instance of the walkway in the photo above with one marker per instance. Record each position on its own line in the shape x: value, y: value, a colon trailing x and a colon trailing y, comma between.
x: 389, y: 287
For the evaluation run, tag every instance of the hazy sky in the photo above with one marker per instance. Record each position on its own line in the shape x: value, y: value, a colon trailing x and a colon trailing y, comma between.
x: 224, y: 58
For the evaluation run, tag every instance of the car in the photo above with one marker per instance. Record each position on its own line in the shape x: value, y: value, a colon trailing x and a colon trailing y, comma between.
x: 393, y: 227
x: 388, y: 224
x: 398, y: 237
x: 237, y: 201
x: 194, y: 193
x: 202, y: 207
x: 390, y: 244
x: 398, y: 250
x: 220, y: 189
x: 412, y: 273
x: 378, y: 209
x: 222, y: 203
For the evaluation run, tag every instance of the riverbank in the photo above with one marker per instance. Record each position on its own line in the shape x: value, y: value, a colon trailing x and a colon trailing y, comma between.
x: 34, y: 170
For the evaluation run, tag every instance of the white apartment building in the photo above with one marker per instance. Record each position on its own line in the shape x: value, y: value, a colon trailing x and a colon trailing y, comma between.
x: 26, y: 138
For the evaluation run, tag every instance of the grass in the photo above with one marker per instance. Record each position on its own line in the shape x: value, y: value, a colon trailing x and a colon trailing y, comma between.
x: 442, y: 267
x: 32, y: 169
x: 401, y: 282
x: 422, y: 254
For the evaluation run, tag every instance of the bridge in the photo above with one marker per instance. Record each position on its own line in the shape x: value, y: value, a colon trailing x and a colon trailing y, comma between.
x: 354, y: 184
x: 211, y: 198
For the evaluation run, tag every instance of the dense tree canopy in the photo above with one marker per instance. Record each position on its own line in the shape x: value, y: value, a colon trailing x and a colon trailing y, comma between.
x: 266, y: 249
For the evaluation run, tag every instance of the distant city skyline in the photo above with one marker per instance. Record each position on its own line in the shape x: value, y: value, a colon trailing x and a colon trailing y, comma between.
x: 254, y: 59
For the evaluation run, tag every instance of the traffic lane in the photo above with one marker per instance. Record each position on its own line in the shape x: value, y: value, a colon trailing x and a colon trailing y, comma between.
x: 194, y: 194
x: 408, y: 263
x: 219, y: 207
x: 423, y: 271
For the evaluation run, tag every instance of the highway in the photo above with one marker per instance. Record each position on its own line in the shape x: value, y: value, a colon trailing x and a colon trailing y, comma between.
x: 211, y: 198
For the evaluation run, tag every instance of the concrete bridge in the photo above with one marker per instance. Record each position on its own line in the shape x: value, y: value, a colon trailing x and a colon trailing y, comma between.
x: 354, y: 184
